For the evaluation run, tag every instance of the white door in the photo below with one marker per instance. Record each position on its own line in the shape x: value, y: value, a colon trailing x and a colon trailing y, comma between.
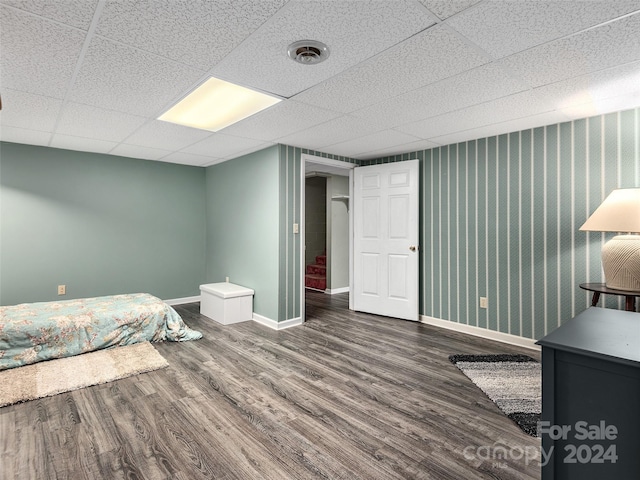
x: 385, y: 239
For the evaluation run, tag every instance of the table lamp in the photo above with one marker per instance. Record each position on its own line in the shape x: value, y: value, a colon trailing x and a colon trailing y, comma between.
x: 620, y: 212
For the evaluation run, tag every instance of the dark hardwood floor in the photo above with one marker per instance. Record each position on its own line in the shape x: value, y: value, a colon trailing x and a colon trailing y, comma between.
x: 344, y: 396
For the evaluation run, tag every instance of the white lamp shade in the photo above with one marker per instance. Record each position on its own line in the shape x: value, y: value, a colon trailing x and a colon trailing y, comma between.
x: 620, y: 212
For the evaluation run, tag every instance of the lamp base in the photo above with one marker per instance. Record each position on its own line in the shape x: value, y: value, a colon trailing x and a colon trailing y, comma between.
x: 621, y: 262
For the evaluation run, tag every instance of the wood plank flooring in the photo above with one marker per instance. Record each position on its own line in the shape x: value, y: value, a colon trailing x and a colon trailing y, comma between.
x: 344, y: 396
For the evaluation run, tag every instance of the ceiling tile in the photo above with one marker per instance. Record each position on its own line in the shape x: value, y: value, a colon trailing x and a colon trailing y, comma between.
x: 23, y: 135
x: 334, y: 131
x: 479, y: 85
x: 432, y: 55
x: 368, y: 143
x: 184, y: 158
x: 446, y: 8
x: 505, y: 27
x: 612, y: 44
x: 136, y: 151
x: 594, y: 87
x: 353, y: 31
x: 280, y: 120
x: 247, y: 151
x: 221, y: 145
x: 117, y: 77
x: 507, y: 108
x: 533, y: 121
x: 37, y: 56
x: 198, y: 33
x: 25, y: 110
x: 92, y: 122
x: 70, y: 12
x: 168, y: 136
x: 399, y: 149
x: 82, y: 144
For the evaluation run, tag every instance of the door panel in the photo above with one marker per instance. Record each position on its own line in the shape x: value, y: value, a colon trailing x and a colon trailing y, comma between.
x: 385, y: 239
x: 397, y: 277
x: 398, y: 217
x: 371, y: 217
x: 370, y: 274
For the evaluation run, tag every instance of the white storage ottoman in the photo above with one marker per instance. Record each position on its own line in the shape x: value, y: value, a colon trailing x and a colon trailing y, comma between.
x: 226, y: 303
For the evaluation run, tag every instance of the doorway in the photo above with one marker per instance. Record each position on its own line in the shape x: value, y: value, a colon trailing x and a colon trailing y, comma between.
x: 325, y: 225
x: 389, y: 234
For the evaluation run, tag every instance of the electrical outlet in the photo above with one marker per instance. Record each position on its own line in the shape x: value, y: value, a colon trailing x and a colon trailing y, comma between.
x: 296, y: 228
x: 62, y: 289
x: 483, y: 302
x: 227, y: 279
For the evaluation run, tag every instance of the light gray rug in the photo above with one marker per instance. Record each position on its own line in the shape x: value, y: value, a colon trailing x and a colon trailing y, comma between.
x: 49, y: 378
x: 512, y: 382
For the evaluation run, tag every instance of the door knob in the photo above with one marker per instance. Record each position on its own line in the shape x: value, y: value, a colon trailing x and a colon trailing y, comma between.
x: 412, y: 248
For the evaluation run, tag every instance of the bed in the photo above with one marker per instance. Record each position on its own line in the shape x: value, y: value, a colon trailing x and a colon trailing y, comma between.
x: 33, y: 332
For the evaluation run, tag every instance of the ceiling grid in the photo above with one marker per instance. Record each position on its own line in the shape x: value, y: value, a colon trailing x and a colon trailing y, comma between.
x: 402, y: 75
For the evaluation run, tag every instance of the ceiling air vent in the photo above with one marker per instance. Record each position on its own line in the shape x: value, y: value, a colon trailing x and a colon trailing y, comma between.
x: 308, y: 52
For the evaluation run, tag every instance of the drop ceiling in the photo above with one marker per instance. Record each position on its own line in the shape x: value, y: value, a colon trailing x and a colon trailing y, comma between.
x: 402, y: 75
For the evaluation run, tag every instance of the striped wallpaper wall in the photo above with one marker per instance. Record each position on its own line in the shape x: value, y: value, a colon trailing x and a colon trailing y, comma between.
x: 289, y: 277
x: 500, y: 218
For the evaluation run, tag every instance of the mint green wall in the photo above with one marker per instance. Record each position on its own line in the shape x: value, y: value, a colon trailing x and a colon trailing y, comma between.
x: 99, y: 224
x: 500, y: 218
x: 243, y: 226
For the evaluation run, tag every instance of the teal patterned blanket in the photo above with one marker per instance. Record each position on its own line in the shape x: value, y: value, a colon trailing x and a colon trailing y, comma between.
x: 32, y: 332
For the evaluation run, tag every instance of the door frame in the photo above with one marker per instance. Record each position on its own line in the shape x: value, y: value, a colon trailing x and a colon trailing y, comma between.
x: 304, y: 158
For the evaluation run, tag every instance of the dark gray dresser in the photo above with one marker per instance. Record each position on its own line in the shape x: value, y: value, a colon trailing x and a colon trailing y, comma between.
x: 591, y: 397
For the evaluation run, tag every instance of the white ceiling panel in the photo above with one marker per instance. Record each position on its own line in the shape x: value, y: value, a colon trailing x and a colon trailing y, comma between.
x: 256, y: 147
x: 534, y: 121
x: 353, y: 31
x: 593, y: 87
x: 117, y: 77
x: 280, y: 120
x: 23, y: 135
x: 37, y: 55
x: 505, y: 27
x: 601, y: 106
x: 184, y: 158
x: 82, y: 144
x: 446, y: 8
x: 196, y: 33
x: 334, y: 131
x: 25, y: 110
x: 585, y: 52
x: 221, y: 146
x: 136, y: 151
x: 504, y: 109
x: 466, y: 89
x: 70, y: 12
x: 377, y: 141
x: 91, y: 122
x: 164, y: 135
x: 425, y: 58
x: 399, y: 149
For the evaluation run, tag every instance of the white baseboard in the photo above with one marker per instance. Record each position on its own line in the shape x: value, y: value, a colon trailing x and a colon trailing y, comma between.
x: 182, y: 301
x: 333, y: 291
x: 481, y: 332
x: 268, y: 322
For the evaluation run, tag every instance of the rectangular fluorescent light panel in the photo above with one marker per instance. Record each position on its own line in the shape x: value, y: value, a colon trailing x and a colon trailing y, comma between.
x: 216, y: 104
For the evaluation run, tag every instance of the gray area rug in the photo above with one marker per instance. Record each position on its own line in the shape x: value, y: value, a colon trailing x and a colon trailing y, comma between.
x: 512, y: 382
x: 49, y: 378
